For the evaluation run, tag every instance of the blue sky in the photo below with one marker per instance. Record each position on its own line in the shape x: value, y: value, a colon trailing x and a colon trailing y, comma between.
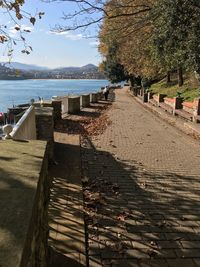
x: 50, y: 49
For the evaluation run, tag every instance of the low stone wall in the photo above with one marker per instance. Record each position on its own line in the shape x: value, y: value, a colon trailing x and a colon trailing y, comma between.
x: 85, y: 101
x: 93, y: 97
x: 24, y: 198
x: 57, y: 110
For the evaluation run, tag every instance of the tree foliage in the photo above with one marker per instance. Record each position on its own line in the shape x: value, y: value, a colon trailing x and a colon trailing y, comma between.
x: 112, y: 68
x: 162, y: 37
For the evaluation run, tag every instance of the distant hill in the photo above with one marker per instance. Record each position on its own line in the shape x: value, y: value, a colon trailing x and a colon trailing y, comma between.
x: 88, y: 67
x: 17, y: 70
x: 25, y: 67
x: 30, y: 67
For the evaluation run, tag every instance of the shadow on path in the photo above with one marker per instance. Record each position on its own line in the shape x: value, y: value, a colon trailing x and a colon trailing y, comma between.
x: 136, y: 217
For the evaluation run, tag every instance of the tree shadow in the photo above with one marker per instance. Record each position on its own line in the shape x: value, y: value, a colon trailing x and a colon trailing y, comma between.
x: 58, y: 259
x: 130, y: 214
x: 137, y: 215
x: 66, y: 224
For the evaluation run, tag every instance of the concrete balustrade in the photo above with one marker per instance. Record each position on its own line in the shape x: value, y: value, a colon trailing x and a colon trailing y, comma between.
x: 85, y: 101
x: 93, y: 97
x: 99, y: 95
x: 70, y: 104
x: 25, y: 129
x: 73, y: 104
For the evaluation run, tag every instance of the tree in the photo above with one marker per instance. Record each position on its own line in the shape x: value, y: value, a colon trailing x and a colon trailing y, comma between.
x: 111, y: 66
x: 175, y: 35
x: 131, y: 36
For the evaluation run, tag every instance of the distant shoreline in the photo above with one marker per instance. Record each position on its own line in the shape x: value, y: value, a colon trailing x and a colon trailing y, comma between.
x: 41, y: 79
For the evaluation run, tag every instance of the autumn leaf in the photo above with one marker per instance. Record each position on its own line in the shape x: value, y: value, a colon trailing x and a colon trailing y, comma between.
x: 32, y: 20
x: 41, y: 14
x: 17, y: 28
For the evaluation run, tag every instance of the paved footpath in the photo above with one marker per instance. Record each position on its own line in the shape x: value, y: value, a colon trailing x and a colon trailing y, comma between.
x: 143, y: 197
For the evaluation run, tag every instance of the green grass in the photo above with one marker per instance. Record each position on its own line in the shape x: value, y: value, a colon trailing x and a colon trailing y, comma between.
x: 189, y: 90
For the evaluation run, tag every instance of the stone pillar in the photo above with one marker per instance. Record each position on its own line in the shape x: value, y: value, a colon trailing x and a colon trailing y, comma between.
x: 145, y: 97
x: 141, y: 91
x: 93, y: 98
x: 45, y: 127
x: 57, y: 109
x: 196, y: 109
x: 161, y: 98
x: 73, y: 104
x: 135, y: 91
x: 178, y: 103
x: 44, y: 123
x: 85, y: 101
x: 150, y: 96
x: 100, y: 95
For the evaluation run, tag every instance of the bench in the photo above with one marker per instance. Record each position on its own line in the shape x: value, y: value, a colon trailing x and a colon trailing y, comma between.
x: 196, y: 118
x: 153, y: 102
x: 184, y: 114
x: 166, y: 107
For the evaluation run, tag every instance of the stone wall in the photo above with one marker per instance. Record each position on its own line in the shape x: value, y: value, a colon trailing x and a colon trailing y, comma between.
x: 24, y: 198
x: 35, y: 251
x: 44, y: 123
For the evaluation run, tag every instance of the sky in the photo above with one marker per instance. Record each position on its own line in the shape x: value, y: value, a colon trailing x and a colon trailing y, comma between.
x: 51, y: 49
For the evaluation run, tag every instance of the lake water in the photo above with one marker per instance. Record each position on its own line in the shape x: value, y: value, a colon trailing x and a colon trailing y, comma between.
x: 19, y: 92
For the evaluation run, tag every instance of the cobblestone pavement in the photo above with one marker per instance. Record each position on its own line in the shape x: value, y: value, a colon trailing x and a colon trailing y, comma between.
x: 142, y: 197
x: 66, y: 224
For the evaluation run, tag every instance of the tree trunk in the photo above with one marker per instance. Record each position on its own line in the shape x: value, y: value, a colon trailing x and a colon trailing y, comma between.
x: 168, y: 77
x: 180, y: 76
x: 132, y: 80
